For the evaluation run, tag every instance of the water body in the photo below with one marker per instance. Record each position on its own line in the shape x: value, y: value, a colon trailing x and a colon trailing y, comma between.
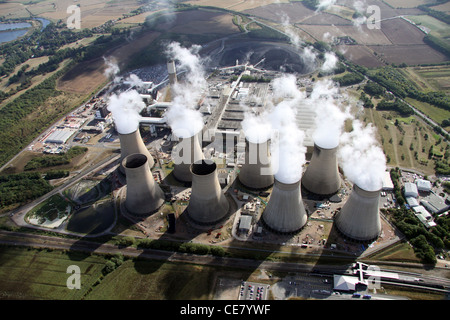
x: 12, y: 31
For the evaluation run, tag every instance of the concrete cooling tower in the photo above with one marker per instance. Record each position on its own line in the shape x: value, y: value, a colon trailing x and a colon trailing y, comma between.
x: 185, y: 153
x: 208, y: 204
x: 359, y: 218
x: 132, y: 143
x: 256, y: 172
x: 144, y: 196
x: 285, y: 212
x: 322, y: 175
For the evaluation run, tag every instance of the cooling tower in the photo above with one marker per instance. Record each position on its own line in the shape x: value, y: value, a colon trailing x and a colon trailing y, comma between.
x: 133, y: 143
x: 285, y: 212
x: 186, y: 152
x: 322, y: 175
x: 359, y: 218
x: 172, y: 72
x: 256, y: 172
x: 208, y: 204
x: 144, y: 196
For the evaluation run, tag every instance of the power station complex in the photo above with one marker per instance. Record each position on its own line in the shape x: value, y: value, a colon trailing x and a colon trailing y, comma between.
x: 209, y: 204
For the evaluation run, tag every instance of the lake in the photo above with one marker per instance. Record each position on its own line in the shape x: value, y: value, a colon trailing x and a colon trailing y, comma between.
x: 12, y: 31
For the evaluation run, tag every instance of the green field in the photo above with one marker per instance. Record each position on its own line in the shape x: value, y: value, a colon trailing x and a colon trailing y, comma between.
x: 435, y: 113
x: 436, y: 27
x: 153, y: 280
x: 41, y: 274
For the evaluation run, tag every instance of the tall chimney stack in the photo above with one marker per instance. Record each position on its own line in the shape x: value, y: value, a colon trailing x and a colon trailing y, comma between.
x: 172, y: 72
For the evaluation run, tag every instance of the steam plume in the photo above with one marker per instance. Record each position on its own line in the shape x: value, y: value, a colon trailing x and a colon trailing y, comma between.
x: 182, y: 116
x: 330, y: 62
x: 125, y: 109
x: 288, y: 151
x: 361, y: 158
x: 330, y: 117
x: 112, y: 68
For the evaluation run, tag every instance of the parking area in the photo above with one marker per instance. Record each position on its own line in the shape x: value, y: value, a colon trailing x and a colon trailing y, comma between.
x: 253, y: 291
x: 305, y: 286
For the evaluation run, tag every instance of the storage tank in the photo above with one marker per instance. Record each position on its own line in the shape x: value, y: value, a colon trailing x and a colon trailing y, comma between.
x: 132, y: 143
x: 285, y: 212
x: 185, y: 153
x: 143, y: 196
x: 359, y: 218
x: 208, y: 204
x: 322, y: 175
x: 256, y: 172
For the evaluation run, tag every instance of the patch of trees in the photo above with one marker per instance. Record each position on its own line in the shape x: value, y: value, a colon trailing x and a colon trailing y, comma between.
x: 367, y: 102
x: 374, y: 89
x: 248, y: 78
x: 441, y: 167
x: 438, y: 44
x: 349, y: 79
x: 56, y: 174
x: 186, y: 247
x: 53, y: 160
x: 426, y: 243
x: 394, y: 81
x: 22, y: 187
x: 395, y: 177
x: 396, y: 105
x: 311, y: 4
x: 435, y: 13
x: 39, y: 43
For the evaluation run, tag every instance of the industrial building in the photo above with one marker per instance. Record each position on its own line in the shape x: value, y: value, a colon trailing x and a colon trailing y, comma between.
x: 60, y: 136
x: 411, y: 190
x: 424, y: 216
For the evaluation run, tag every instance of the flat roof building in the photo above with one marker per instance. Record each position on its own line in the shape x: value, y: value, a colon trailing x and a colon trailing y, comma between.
x: 60, y: 136
x: 411, y: 190
x: 387, y: 182
x: 424, y: 216
x: 423, y: 185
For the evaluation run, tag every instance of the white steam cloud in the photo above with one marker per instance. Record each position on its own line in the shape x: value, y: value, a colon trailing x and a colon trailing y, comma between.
x: 125, y: 109
x: 112, y: 68
x: 288, y: 150
x: 330, y: 62
x: 330, y: 117
x: 325, y: 4
x: 182, y: 116
x: 361, y: 157
x: 257, y: 128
